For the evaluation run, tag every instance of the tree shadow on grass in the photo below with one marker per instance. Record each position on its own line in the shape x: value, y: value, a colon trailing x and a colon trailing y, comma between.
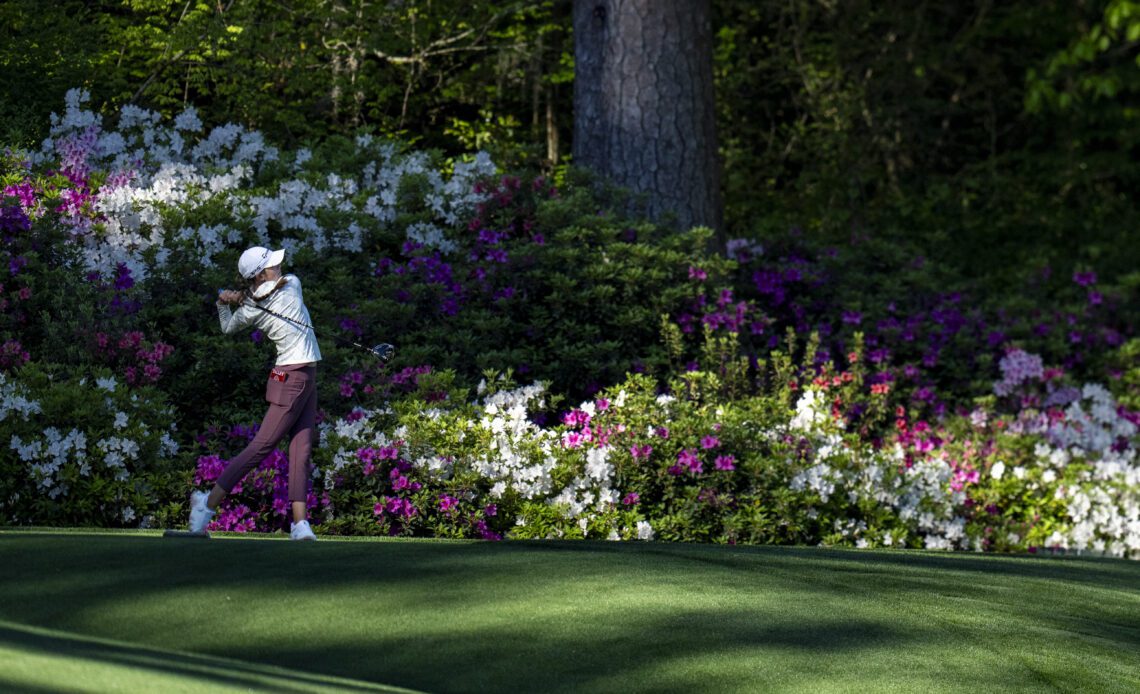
x: 1102, y: 571
x: 525, y: 659
x: 76, y: 580
x: 690, y: 651
x: 205, y: 672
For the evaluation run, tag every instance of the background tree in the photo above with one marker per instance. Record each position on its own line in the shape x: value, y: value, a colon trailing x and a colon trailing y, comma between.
x: 999, y: 138
x: 445, y: 74
x: 908, y: 122
x: 643, y: 103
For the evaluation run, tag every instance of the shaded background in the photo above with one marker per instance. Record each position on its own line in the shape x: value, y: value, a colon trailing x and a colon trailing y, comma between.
x: 997, y: 137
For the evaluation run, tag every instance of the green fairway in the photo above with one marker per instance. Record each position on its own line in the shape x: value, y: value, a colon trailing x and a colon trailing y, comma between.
x: 134, y: 612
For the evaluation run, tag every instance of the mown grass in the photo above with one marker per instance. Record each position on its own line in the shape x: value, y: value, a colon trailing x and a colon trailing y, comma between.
x: 134, y: 612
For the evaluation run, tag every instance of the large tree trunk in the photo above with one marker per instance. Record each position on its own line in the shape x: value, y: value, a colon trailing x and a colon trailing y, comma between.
x: 644, y: 115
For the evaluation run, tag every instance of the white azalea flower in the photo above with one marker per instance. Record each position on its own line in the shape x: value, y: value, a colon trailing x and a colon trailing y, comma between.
x: 644, y: 530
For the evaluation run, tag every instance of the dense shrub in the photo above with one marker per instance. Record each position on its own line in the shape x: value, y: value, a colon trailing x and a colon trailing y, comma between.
x: 85, y: 450
x: 787, y: 393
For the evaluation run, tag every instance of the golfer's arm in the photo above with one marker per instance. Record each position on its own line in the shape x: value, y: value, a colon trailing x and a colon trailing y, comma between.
x: 232, y: 321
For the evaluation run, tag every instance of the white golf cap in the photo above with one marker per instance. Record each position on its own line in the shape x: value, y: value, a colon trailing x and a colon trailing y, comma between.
x: 256, y: 259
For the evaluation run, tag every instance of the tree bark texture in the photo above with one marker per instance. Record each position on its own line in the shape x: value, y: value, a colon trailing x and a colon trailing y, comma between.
x: 643, y: 98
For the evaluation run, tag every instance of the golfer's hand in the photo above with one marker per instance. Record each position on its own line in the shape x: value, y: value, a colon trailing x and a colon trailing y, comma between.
x: 229, y: 296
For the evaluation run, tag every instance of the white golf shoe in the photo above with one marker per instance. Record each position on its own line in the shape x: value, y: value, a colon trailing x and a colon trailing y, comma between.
x: 200, y: 513
x: 301, y: 531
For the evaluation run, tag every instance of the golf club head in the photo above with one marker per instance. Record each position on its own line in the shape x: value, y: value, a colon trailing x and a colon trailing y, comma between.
x: 383, y: 351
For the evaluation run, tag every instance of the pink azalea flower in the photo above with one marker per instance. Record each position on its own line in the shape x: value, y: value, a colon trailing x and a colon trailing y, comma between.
x: 725, y: 462
x: 639, y: 452
x: 688, y: 458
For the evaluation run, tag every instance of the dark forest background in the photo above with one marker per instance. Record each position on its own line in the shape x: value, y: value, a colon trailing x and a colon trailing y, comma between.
x: 999, y: 138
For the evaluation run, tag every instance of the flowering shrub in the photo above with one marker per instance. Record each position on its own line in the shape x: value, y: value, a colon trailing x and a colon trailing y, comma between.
x: 694, y: 466
x: 783, y: 394
x: 86, y: 451
x: 260, y: 502
x: 409, y: 470
x: 1128, y: 374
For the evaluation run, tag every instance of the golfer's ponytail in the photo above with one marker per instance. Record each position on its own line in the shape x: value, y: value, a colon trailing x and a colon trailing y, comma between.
x: 281, y: 282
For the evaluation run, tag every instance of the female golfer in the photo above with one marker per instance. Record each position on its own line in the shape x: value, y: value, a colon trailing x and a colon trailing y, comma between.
x: 273, y: 304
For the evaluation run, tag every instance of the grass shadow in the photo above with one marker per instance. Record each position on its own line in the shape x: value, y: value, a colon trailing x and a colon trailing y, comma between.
x: 539, y: 615
x: 103, y: 657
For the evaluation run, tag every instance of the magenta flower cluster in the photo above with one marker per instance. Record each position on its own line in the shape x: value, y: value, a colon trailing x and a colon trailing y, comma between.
x: 267, y: 488
x: 137, y: 359
x: 583, y: 429
x: 13, y: 355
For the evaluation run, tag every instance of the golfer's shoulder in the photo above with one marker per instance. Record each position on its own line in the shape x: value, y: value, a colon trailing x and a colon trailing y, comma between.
x: 292, y: 287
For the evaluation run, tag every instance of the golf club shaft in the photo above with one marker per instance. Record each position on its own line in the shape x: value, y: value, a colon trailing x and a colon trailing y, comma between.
x: 339, y: 340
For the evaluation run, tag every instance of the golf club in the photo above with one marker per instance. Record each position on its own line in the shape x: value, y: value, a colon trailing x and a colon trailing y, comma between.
x: 382, y: 351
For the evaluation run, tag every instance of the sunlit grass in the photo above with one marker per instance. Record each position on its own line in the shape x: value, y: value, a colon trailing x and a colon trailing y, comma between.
x: 561, y: 616
x: 45, y: 660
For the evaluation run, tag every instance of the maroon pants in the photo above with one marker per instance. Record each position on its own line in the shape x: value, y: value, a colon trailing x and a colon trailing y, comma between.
x: 293, y: 413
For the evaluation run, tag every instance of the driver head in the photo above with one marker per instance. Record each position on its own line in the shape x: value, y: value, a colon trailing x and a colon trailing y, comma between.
x: 383, y: 351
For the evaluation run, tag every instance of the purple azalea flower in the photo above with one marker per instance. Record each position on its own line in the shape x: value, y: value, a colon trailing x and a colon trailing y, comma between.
x: 123, y: 279
x: 688, y: 458
x: 17, y: 263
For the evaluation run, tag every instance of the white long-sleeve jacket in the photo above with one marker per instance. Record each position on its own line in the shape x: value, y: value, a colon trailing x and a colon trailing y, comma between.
x: 295, y: 344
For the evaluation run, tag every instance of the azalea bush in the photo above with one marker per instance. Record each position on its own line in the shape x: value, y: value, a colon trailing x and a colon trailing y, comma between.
x: 86, y: 450
x: 562, y: 371
x: 779, y: 466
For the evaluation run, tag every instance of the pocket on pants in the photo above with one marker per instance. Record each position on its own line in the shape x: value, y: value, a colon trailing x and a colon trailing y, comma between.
x: 281, y: 392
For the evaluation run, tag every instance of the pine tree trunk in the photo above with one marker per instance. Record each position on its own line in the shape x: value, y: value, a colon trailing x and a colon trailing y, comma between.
x: 644, y: 115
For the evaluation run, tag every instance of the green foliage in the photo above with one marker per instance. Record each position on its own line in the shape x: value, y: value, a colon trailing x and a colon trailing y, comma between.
x: 998, y: 139
x: 447, y: 74
x: 578, y: 292
x: 723, y: 436
x: 45, y: 49
x: 375, y: 489
x: 111, y: 465
x: 1100, y: 64
x: 1127, y: 360
x: 907, y: 123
